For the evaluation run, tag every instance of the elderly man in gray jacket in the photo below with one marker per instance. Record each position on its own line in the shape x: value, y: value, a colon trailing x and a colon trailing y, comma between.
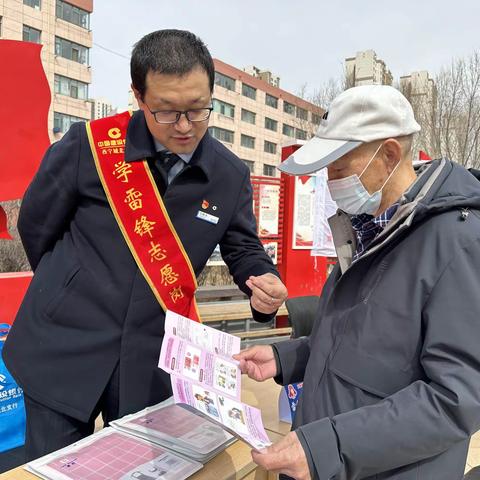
x: 391, y: 370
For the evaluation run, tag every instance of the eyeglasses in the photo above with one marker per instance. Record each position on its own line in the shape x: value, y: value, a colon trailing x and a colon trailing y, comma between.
x: 173, y: 116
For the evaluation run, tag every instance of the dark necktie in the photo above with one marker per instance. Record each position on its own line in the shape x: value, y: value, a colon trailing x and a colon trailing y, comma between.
x: 164, y: 161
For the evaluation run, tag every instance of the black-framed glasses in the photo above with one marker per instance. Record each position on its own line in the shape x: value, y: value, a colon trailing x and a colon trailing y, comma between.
x: 173, y: 116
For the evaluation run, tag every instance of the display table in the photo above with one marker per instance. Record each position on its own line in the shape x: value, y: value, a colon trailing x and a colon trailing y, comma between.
x: 235, y: 463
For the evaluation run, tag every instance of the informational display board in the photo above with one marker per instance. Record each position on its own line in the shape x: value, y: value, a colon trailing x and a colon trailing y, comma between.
x: 303, y: 212
x: 301, y: 273
x: 325, y: 207
x: 268, y: 210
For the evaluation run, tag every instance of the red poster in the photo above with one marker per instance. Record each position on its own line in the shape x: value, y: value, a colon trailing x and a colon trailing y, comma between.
x: 24, y: 103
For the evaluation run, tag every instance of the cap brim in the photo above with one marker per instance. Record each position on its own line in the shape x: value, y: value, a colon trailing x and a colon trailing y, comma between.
x: 316, y: 154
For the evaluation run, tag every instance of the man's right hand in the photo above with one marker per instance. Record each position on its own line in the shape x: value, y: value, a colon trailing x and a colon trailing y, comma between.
x: 257, y: 362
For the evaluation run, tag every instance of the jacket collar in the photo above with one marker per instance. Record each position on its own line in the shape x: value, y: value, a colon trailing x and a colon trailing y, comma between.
x: 343, y: 233
x: 140, y: 145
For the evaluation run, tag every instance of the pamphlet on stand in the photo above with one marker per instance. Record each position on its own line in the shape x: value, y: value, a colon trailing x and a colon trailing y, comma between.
x: 206, y: 380
x: 113, y: 455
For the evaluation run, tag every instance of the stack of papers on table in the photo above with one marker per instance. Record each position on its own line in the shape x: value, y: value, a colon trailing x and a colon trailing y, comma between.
x: 113, y: 455
x: 177, y: 429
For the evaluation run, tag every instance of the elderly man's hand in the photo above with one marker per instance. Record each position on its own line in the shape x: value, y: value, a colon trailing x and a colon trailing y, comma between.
x: 268, y: 292
x: 258, y: 362
x: 286, y: 456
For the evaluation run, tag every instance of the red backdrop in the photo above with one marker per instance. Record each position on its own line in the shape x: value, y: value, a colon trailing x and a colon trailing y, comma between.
x: 3, y: 225
x: 12, y: 289
x: 24, y: 103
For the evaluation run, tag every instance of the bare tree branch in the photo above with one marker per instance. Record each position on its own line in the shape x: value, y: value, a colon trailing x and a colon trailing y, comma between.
x: 450, y: 120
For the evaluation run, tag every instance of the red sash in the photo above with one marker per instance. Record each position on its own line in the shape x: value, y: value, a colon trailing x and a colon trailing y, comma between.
x: 142, y: 217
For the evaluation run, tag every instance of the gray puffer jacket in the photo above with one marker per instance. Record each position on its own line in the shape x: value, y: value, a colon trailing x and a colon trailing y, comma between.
x: 391, y: 370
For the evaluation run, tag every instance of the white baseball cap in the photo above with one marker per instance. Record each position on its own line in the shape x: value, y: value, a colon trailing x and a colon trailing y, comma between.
x: 358, y: 115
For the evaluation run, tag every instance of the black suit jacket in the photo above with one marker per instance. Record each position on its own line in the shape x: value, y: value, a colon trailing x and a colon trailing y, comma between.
x: 88, y: 306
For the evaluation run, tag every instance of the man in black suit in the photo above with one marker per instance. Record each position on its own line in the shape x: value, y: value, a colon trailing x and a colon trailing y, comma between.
x: 87, y: 336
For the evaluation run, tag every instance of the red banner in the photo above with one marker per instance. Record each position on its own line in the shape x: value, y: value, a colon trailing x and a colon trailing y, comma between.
x: 24, y: 103
x: 3, y: 225
x: 142, y: 218
x: 423, y: 156
x: 12, y: 289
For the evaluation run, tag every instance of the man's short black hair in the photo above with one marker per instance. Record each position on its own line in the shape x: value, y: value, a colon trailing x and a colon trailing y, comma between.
x: 171, y: 52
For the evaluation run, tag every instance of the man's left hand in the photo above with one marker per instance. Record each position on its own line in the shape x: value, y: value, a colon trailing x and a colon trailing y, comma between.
x: 268, y: 292
x: 286, y: 456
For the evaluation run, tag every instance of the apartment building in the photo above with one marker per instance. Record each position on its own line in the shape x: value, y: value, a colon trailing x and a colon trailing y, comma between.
x: 365, y: 68
x: 418, y: 87
x: 254, y: 118
x: 101, y: 107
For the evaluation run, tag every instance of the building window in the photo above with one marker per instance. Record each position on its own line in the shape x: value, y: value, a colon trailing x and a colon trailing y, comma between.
x: 269, y: 170
x: 223, y: 81
x: 249, y: 164
x: 248, y: 116
x: 32, y: 3
x: 288, y: 108
x: 316, y: 119
x: 72, y: 51
x: 223, y: 108
x: 72, y: 14
x: 70, y: 87
x: 247, y: 141
x: 271, y: 101
x: 302, y: 114
x: 31, y: 34
x: 248, y: 91
x: 221, y: 134
x: 288, y: 130
x: 1, y: 18
x: 270, y: 147
x: 64, y: 122
x: 300, y: 134
x: 271, y: 124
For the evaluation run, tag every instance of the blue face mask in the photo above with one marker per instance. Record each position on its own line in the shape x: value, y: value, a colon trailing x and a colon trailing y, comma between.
x: 352, y: 197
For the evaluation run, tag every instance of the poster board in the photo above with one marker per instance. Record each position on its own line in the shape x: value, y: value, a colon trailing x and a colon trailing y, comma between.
x: 303, y: 212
